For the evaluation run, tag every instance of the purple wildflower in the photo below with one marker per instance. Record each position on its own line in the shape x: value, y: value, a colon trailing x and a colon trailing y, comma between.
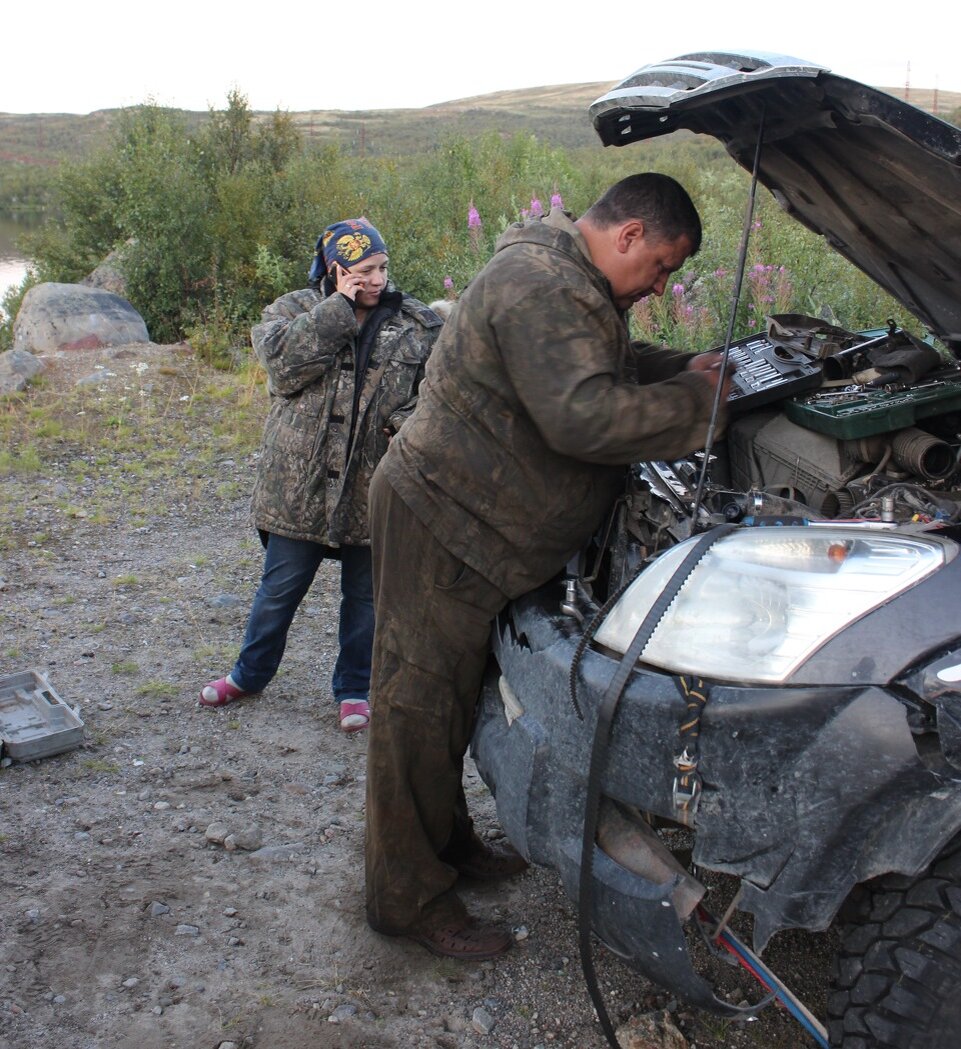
x: 449, y: 283
x: 556, y: 200
x: 473, y: 217
x: 537, y: 208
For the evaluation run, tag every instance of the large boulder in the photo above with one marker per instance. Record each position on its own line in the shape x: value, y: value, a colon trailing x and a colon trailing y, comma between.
x: 63, y: 317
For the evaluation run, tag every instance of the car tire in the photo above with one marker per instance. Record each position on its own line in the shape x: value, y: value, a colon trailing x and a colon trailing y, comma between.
x: 897, y: 978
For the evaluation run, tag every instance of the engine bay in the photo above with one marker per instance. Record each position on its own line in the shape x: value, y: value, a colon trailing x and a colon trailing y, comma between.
x: 824, y: 425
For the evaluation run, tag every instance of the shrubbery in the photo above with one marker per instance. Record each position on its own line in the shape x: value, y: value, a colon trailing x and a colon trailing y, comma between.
x: 217, y: 222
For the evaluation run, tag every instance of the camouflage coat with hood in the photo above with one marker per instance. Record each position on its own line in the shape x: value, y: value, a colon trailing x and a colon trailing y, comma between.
x: 335, y: 389
x: 535, y: 400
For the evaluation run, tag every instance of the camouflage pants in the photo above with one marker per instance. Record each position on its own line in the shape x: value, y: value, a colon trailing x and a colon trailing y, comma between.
x: 432, y: 627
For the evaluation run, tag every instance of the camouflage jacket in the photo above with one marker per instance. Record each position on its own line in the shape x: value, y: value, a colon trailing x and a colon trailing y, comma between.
x: 324, y: 434
x: 534, y: 401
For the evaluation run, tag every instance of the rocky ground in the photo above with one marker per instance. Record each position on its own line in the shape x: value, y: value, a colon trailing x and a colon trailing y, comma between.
x: 193, y: 878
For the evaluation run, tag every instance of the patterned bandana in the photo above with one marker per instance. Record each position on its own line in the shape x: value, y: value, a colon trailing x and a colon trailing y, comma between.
x: 346, y: 243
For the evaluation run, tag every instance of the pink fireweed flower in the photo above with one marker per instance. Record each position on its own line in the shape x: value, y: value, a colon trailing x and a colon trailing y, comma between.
x: 525, y: 214
x: 677, y: 290
x: 449, y: 283
x: 474, y: 228
x: 556, y: 200
x: 537, y: 208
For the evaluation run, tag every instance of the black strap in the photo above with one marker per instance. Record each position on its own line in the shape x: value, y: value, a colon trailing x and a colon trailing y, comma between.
x: 602, y: 730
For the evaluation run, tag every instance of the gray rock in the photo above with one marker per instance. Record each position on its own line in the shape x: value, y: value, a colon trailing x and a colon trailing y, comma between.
x: 99, y: 375
x: 224, y: 601
x: 156, y: 909
x: 109, y: 274
x: 187, y: 930
x: 250, y: 839
x: 62, y: 317
x: 217, y: 833
x: 342, y: 1012
x: 17, y: 368
x: 482, y: 1021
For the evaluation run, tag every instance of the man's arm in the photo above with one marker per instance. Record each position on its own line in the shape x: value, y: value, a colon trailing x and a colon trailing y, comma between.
x: 560, y: 346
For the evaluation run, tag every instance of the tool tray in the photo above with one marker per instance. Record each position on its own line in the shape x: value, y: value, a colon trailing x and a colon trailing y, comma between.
x: 865, y: 413
x: 34, y: 721
x: 767, y: 372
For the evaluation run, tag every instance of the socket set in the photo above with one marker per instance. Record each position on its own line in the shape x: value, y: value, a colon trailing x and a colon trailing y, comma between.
x: 766, y: 372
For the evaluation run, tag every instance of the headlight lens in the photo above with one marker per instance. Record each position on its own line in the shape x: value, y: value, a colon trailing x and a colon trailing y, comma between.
x: 762, y: 600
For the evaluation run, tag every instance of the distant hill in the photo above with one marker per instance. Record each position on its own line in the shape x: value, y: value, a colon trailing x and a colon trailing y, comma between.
x: 557, y: 115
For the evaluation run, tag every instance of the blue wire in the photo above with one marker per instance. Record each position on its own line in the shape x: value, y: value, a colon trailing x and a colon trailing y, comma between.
x: 781, y: 992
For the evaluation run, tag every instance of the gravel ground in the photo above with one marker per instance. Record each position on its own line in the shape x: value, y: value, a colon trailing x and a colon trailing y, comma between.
x: 193, y: 877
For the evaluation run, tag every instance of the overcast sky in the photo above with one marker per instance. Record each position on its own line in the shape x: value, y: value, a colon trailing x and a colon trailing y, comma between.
x: 79, y: 57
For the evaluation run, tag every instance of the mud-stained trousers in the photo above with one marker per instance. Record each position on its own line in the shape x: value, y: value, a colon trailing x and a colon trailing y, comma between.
x: 432, y: 627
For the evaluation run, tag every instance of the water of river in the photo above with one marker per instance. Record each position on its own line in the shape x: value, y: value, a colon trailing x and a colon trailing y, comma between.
x: 13, y: 265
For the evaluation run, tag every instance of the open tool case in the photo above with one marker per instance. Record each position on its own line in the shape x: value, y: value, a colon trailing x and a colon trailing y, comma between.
x: 34, y: 721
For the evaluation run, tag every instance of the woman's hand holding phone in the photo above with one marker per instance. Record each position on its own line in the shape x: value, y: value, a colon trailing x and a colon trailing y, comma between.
x: 348, y: 284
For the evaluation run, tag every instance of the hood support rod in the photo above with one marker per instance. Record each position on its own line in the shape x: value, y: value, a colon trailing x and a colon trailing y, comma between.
x: 728, y: 338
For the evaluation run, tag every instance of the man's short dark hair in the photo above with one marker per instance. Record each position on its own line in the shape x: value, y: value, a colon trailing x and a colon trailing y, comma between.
x: 659, y: 201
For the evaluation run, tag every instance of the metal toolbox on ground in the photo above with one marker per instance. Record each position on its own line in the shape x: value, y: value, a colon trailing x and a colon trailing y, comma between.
x: 34, y: 721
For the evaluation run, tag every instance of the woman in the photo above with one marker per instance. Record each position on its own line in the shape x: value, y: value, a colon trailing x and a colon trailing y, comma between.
x: 344, y: 358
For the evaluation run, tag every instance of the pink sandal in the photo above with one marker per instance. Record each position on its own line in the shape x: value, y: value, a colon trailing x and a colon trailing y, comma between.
x: 220, y: 693
x: 354, y: 715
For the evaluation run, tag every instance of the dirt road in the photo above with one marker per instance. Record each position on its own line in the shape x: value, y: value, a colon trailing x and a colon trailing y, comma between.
x: 190, y: 877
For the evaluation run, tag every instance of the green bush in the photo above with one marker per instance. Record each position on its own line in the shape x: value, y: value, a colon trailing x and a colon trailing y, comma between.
x: 218, y: 220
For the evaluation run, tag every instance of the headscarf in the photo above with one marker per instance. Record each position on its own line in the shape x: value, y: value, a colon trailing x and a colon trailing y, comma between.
x: 346, y: 243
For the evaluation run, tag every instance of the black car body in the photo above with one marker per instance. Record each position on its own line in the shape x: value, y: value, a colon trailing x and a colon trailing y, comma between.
x: 821, y: 619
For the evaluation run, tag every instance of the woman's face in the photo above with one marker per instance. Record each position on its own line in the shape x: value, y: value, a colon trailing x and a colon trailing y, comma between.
x: 373, y: 272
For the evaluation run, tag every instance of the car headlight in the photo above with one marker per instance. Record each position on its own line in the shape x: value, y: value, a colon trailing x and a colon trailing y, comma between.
x: 762, y: 600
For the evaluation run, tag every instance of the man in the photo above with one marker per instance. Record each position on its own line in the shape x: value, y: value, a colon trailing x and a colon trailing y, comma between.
x: 534, y: 401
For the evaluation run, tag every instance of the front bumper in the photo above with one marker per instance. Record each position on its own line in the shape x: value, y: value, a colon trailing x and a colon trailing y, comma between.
x: 806, y: 791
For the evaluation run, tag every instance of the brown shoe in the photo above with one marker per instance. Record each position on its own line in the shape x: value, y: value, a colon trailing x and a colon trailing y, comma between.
x: 484, y: 863
x: 469, y: 941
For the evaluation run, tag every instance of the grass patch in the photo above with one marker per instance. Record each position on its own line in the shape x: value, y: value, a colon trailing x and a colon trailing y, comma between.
x: 99, y: 765
x: 114, y: 460
x: 124, y: 667
x: 26, y: 461
x: 158, y: 689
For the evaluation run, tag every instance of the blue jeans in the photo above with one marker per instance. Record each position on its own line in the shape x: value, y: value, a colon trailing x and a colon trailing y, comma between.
x: 289, y: 568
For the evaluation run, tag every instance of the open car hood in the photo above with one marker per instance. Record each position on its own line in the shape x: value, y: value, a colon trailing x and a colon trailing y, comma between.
x: 877, y: 177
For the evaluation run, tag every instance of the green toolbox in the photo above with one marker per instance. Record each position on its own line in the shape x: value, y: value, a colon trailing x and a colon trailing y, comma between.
x: 862, y: 412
